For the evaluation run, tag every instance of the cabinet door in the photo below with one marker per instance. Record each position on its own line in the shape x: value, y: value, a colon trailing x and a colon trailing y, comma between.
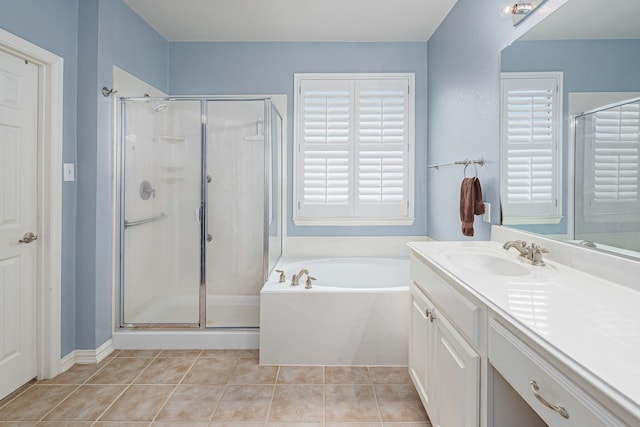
x: 456, y: 377
x: 420, y: 346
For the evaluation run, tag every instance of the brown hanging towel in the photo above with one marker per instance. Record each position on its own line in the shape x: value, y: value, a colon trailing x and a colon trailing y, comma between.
x: 470, y: 203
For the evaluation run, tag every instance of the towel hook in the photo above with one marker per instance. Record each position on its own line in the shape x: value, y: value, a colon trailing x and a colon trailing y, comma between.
x: 466, y: 165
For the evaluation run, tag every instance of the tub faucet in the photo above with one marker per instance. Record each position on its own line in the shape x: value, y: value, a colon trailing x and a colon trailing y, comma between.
x: 295, y: 280
x: 532, y: 253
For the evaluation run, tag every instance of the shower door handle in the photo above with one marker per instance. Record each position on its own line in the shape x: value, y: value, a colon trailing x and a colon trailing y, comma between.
x: 209, y: 238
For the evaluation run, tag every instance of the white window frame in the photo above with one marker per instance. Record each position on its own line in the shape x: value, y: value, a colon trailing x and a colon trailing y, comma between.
x: 530, y: 212
x: 348, y: 216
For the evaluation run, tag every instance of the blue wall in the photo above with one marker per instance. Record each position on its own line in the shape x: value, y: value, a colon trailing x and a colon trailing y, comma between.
x: 463, y: 87
x: 587, y: 66
x: 268, y: 68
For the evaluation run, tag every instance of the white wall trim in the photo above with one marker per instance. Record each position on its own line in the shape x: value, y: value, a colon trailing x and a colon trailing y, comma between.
x: 50, y: 105
x: 380, y: 246
x: 85, y: 357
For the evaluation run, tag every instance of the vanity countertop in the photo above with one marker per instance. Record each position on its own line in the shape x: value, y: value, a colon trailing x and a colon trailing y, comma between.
x: 589, y: 323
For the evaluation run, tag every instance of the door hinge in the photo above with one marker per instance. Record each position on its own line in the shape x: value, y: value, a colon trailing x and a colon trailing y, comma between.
x: 298, y: 205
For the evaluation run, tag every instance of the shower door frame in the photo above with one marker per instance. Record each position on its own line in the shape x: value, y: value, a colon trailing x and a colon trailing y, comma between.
x: 120, y: 200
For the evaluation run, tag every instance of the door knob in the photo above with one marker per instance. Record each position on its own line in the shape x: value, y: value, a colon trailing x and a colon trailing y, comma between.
x: 28, y: 237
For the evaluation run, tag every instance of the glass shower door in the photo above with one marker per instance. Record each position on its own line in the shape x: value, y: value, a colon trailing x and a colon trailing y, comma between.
x: 161, y: 197
x: 235, y: 259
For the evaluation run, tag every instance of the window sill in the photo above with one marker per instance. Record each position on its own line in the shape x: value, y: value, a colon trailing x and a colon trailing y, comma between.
x: 352, y: 222
x: 532, y: 220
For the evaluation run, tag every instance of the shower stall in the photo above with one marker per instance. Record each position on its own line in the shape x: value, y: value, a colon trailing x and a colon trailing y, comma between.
x: 199, y: 210
x: 607, y: 176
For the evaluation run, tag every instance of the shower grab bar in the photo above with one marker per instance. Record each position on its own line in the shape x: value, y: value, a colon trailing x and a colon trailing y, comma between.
x: 145, y: 220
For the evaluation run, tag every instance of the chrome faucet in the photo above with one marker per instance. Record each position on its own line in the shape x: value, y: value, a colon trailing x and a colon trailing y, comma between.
x: 295, y: 280
x: 531, y: 254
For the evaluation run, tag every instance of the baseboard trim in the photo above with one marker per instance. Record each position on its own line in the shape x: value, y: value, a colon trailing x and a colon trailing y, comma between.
x: 84, y: 357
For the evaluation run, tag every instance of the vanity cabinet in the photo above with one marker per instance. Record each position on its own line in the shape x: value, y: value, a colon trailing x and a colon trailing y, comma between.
x: 444, y: 367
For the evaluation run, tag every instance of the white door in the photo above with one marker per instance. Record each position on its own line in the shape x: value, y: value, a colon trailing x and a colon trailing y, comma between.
x: 18, y: 213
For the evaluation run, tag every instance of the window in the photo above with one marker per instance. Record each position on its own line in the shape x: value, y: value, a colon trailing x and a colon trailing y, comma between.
x: 530, y: 140
x: 353, y: 149
x: 612, y: 138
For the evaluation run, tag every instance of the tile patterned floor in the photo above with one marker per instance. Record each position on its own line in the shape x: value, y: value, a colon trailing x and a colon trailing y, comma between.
x: 215, y: 388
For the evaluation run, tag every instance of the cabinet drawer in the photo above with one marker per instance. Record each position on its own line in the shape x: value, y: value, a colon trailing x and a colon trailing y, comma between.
x: 460, y: 310
x: 521, y: 366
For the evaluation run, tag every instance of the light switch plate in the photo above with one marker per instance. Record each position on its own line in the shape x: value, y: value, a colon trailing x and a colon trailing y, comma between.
x: 486, y: 217
x: 69, y: 172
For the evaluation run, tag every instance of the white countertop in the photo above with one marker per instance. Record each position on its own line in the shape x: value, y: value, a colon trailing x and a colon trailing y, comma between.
x: 587, y: 320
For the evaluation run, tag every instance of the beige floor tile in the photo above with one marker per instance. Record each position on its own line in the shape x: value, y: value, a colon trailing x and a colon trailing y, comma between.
x: 180, y: 353
x: 165, y: 370
x: 87, y: 403
x: 35, y: 402
x: 346, y: 375
x: 249, y: 371
x: 353, y: 425
x: 192, y: 402
x: 121, y: 424
x: 231, y: 353
x: 245, y: 403
x: 350, y: 403
x: 211, y: 370
x: 298, y: 403
x: 419, y: 424
x: 138, y: 353
x: 236, y: 424
x: 179, y: 424
x: 139, y: 403
x: 120, y: 371
x: 77, y: 374
x: 390, y: 375
x: 17, y: 392
x: 64, y: 424
x: 294, y: 424
x: 399, y: 403
x: 18, y: 423
x: 301, y: 375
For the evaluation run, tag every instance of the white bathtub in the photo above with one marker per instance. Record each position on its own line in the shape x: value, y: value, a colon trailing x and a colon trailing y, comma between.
x: 356, y: 313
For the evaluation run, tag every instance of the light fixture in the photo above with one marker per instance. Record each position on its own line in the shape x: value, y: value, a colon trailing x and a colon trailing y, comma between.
x: 522, y: 8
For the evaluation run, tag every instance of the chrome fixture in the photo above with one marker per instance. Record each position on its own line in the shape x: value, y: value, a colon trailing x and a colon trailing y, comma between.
x: 282, y: 278
x: 521, y: 8
x: 145, y: 220
x: 146, y: 190
x: 559, y: 409
x: 308, y: 284
x: 106, y: 92
x: 532, y: 254
x: 587, y: 244
x: 295, y: 280
x: 28, y: 237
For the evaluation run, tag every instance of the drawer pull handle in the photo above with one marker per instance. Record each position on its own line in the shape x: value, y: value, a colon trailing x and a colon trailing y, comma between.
x: 536, y: 392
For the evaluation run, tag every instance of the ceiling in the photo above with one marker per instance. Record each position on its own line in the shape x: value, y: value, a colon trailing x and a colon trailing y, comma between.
x: 590, y: 19
x: 293, y: 20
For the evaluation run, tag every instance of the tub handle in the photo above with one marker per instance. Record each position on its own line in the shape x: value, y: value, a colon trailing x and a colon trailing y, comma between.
x: 309, y: 279
x: 282, y: 278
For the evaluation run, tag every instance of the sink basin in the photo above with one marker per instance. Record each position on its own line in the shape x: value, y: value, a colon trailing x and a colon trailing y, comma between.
x: 487, y: 263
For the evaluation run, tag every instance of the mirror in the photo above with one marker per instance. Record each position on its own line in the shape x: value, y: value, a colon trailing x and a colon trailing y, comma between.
x: 596, y: 46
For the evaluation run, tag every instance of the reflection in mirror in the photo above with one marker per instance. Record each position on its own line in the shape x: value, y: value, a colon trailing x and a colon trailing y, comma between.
x: 595, y: 44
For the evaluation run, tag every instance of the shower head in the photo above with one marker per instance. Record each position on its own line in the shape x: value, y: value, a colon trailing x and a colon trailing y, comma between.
x: 156, y: 106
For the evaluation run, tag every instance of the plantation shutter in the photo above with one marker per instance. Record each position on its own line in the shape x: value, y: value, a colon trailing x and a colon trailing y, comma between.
x: 530, y: 140
x: 353, y: 150
x: 325, y: 146
x: 381, y: 148
x: 611, y: 174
